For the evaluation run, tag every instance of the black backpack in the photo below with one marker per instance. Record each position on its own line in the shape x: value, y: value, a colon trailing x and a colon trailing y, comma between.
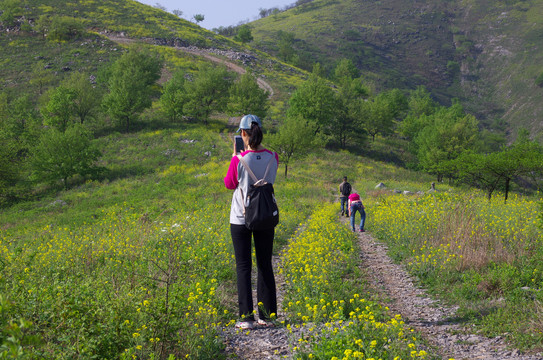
x: 260, y: 208
x: 346, y: 189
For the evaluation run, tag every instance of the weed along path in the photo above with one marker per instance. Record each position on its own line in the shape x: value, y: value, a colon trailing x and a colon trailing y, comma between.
x: 434, y: 320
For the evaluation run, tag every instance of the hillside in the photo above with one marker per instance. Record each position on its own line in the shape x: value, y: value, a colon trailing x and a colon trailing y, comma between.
x: 89, y: 35
x: 486, y: 53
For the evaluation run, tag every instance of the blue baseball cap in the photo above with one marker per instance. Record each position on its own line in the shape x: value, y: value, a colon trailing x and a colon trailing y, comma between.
x: 247, y: 120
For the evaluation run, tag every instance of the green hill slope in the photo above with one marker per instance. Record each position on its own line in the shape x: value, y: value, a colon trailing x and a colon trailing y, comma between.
x: 487, y: 54
x: 88, y: 34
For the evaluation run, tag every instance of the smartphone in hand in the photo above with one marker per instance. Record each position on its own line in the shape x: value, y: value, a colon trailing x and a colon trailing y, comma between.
x: 240, y: 146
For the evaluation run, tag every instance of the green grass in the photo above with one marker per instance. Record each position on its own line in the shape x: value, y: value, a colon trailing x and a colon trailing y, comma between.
x: 483, y: 256
x: 140, y: 261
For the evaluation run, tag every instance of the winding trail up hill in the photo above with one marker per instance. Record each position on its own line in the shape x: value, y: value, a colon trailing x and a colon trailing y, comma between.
x: 206, y: 53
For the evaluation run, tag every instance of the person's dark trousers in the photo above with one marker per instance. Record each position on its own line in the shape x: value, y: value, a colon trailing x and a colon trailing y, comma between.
x: 266, y: 291
x: 343, y: 200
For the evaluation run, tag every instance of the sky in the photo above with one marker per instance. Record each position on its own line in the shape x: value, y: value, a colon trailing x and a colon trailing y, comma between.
x: 220, y: 12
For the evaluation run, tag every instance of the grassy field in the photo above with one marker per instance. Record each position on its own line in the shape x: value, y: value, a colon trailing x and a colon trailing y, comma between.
x: 140, y: 265
x: 484, y: 256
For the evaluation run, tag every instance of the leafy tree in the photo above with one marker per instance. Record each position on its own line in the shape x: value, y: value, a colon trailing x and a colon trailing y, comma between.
x: 315, y: 102
x: 499, y: 169
x: 246, y: 97
x: 178, y: 13
x: 59, y: 110
x: 295, y: 139
x: 42, y: 25
x: 64, y: 28
x: 62, y: 155
x: 85, y: 98
x: 449, y: 132
x: 345, y: 70
x: 19, y: 120
x: 130, y: 85
x: 174, y: 96
x: 398, y: 103
x: 286, y: 45
x: 208, y: 92
x: 41, y: 76
x: 160, y: 6
x: 9, y: 166
x: 244, y: 34
x: 346, y: 124
x: 421, y: 103
x: 198, y: 18
x: 9, y: 148
x: 379, y: 113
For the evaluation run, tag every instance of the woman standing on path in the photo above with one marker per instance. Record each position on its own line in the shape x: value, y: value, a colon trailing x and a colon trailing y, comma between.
x: 355, y: 204
x: 260, y: 161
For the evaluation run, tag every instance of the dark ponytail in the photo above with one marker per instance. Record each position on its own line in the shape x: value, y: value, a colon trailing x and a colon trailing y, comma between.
x: 255, y: 135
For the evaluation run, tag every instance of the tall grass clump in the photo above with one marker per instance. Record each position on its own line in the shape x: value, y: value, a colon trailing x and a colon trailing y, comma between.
x: 328, y: 318
x: 485, y: 256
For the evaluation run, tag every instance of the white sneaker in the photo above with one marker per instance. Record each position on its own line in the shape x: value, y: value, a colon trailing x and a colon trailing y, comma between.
x: 265, y: 323
x: 245, y: 325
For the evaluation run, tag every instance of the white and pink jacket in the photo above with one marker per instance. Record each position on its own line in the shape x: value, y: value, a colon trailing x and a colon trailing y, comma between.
x: 239, y: 179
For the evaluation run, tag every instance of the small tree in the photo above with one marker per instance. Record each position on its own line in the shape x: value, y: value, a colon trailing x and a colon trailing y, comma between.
x: 315, y: 102
x: 208, y: 92
x: 59, y: 110
x: 130, y: 85
x: 295, y: 139
x: 346, y: 125
x: 345, y: 70
x: 178, y: 13
x: 174, y: 96
x: 64, y: 28
x: 198, y: 18
x: 539, y: 80
x: 86, y: 98
x: 449, y: 133
x: 246, y: 97
x: 377, y: 115
x: 160, y: 6
x: 43, y: 24
x: 244, y: 34
x: 499, y: 169
x: 41, y: 76
x: 285, y: 41
x: 62, y: 155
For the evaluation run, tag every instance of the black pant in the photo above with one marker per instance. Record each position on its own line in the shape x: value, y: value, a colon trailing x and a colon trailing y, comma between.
x: 266, y: 292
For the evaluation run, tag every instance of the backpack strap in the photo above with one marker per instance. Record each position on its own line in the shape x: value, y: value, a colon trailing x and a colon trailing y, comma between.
x: 251, y: 173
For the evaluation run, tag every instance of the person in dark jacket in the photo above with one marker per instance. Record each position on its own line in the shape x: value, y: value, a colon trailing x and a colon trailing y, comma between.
x: 344, y: 190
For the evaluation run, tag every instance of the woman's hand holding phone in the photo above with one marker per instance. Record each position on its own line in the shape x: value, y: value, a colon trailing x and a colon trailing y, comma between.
x: 239, y: 146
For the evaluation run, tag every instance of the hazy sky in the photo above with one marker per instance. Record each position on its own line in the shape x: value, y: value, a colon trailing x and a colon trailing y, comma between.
x: 220, y: 12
